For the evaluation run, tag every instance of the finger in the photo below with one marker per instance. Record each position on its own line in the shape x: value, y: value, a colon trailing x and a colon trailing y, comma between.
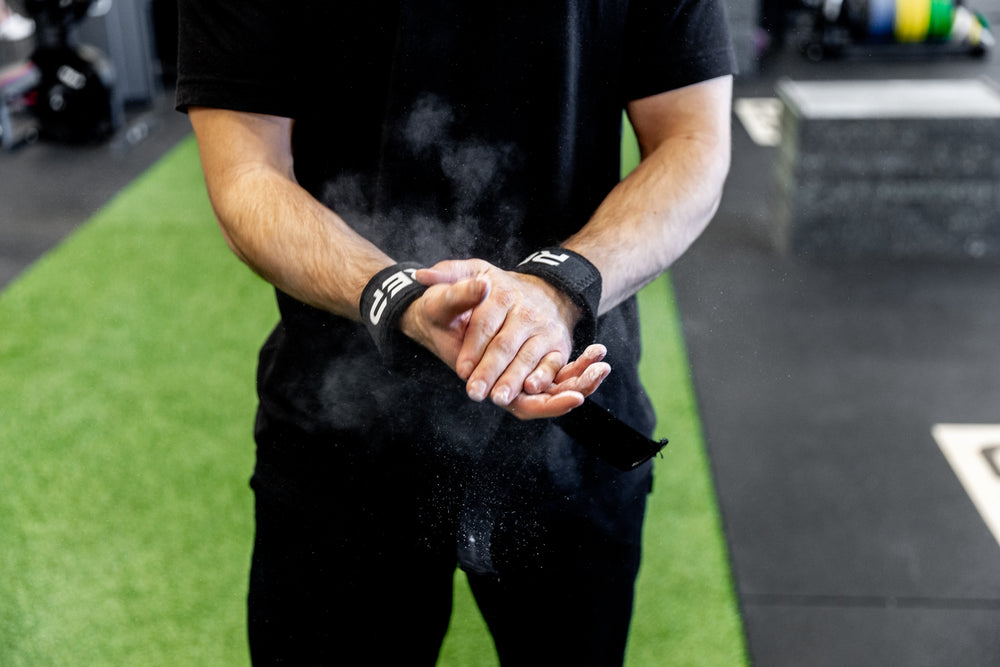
x: 446, y: 305
x: 560, y: 399
x: 450, y: 271
x: 486, y: 321
x: 543, y: 406
x: 586, y: 383
x: 593, y: 354
x: 464, y: 296
x: 501, y: 349
x: 545, y: 373
x: 512, y: 380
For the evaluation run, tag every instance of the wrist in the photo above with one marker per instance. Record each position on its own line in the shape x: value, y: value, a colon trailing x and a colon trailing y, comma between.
x: 384, y: 303
x: 412, y: 326
x: 578, y: 281
x: 567, y: 309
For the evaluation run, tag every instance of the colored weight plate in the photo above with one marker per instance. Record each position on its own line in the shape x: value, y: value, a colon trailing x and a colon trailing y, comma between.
x: 942, y: 12
x: 902, y: 20
x: 913, y: 19
x: 881, y: 16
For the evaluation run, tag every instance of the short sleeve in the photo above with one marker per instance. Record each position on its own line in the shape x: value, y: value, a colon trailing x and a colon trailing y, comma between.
x: 675, y: 43
x: 238, y: 54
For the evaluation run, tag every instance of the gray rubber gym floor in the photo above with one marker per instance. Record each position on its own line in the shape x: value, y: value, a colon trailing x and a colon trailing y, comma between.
x: 853, y: 541
x: 47, y: 189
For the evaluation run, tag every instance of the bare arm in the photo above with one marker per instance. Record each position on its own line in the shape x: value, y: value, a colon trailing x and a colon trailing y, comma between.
x: 273, y: 224
x: 655, y: 213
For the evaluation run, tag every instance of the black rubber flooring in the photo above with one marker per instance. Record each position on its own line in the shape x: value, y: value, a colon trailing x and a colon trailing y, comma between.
x: 852, y: 541
x: 47, y: 189
x: 851, y: 538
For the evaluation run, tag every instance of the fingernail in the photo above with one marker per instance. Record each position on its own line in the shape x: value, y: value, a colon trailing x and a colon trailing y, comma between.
x: 484, y: 286
x: 465, y: 369
x: 501, y: 396
x: 477, y: 391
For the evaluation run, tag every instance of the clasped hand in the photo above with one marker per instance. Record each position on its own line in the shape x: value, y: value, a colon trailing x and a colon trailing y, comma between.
x: 507, y: 335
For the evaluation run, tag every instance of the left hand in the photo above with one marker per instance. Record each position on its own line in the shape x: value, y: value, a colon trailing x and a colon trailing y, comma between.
x: 517, y: 340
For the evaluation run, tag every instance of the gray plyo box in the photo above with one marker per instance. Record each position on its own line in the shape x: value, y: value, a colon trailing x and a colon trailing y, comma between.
x: 889, y: 169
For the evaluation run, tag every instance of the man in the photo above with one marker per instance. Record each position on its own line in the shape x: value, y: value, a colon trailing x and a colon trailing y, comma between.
x: 432, y: 188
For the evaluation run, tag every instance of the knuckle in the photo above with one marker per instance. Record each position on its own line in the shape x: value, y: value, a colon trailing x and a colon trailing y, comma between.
x: 506, y: 345
x: 505, y: 298
x: 529, y: 318
x: 547, y: 357
x: 486, y: 326
x: 554, y: 361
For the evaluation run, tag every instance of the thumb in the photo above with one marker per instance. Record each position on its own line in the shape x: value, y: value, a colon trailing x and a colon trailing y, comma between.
x: 449, y: 271
x: 462, y: 297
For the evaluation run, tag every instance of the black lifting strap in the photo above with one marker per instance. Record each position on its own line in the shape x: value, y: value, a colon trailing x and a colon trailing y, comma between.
x: 609, y: 437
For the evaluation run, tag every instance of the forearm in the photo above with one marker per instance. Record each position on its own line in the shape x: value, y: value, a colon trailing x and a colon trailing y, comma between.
x: 279, y: 230
x: 296, y: 244
x: 653, y: 215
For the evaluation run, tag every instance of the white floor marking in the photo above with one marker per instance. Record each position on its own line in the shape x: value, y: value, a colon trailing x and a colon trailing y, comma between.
x: 761, y: 117
x: 973, y: 450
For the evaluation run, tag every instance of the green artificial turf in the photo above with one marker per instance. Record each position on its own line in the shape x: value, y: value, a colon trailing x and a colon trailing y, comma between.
x: 127, y: 358
x: 127, y: 361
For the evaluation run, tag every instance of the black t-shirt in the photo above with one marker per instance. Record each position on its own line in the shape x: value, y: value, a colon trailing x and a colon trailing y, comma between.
x: 442, y: 129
